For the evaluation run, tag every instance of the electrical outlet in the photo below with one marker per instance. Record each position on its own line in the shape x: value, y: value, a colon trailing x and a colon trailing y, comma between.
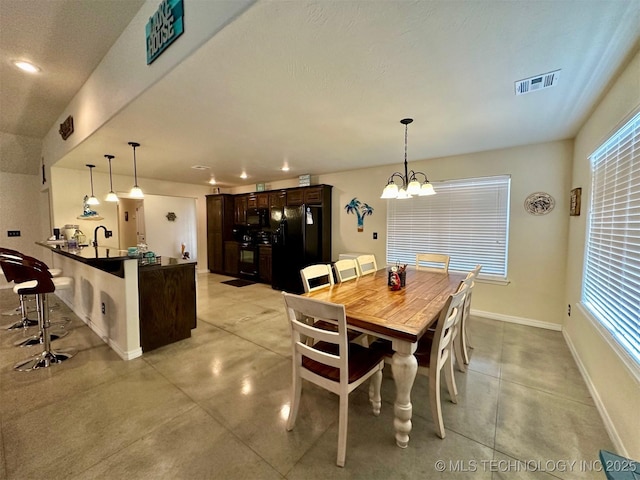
x: 375, y: 235
x: 569, y: 309
x: 104, y: 308
x: 13, y: 233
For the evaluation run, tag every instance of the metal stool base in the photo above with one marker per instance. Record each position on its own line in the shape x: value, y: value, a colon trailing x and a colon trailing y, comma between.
x: 24, y: 323
x: 39, y: 339
x: 44, y: 360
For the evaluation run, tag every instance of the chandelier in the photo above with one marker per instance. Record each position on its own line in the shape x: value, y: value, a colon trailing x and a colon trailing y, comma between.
x: 410, y: 184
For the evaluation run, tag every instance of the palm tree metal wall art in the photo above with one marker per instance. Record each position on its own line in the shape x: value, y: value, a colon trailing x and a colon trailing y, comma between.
x: 360, y: 209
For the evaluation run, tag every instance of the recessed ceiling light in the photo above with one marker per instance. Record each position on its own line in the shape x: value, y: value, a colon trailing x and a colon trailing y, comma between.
x: 285, y: 168
x: 26, y: 66
x: 200, y: 167
x: 212, y: 181
x: 244, y: 175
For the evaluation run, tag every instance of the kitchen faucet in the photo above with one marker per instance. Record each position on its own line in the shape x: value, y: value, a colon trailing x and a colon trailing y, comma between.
x: 107, y: 234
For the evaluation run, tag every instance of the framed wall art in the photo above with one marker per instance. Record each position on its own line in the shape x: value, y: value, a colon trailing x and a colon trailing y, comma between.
x: 574, y: 202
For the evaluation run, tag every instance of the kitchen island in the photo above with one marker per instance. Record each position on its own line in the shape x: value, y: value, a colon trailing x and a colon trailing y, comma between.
x: 133, y: 308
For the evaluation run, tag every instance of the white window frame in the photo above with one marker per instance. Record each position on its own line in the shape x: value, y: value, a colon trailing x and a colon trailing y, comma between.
x: 611, y: 278
x: 468, y: 219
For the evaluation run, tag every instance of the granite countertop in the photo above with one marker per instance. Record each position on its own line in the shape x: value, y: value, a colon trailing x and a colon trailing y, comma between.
x: 104, y: 254
x: 88, y: 253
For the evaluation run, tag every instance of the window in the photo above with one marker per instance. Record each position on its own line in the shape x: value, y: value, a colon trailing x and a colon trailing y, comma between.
x: 611, y: 281
x: 467, y: 219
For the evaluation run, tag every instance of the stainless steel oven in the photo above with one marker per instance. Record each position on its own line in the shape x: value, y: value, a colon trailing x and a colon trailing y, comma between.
x: 249, y: 260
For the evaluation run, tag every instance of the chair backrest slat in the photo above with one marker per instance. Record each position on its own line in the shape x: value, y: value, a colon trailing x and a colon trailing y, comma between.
x: 367, y: 264
x: 346, y: 269
x: 445, y: 330
x: 299, y: 308
x: 436, y: 262
x: 315, y: 277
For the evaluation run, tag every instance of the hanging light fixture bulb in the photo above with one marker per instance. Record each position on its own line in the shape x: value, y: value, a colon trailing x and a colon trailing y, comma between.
x: 92, y: 200
x: 111, y: 196
x: 136, y: 191
x: 410, y: 184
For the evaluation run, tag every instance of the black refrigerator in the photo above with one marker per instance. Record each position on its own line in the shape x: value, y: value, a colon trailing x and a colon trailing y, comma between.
x: 299, y: 240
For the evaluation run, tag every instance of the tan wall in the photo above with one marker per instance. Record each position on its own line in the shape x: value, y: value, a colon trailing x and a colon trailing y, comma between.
x: 69, y: 187
x: 537, y: 245
x: 616, y: 386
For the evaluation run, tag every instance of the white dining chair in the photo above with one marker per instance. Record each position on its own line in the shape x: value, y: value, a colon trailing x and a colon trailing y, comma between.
x: 346, y: 270
x: 366, y: 264
x: 464, y: 323
x: 330, y: 362
x: 436, y: 354
x: 315, y: 277
x: 435, y: 262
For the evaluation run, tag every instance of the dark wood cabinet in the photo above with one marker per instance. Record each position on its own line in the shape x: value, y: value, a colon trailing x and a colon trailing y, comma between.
x: 313, y: 195
x: 258, y: 200
x: 263, y: 200
x: 166, y: 304
x: 231, y: 258
x: 220, y: 218
x: 295, y: 197
x: 240, y: 206
x: 264, y: 263
x: 278, y: 199
x: 225, y: 210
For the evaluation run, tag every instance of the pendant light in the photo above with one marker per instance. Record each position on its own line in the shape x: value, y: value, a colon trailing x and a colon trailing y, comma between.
x: 92, y: 200
x: 136, y: 191
x: 111, y: 196
x: 410, y: 184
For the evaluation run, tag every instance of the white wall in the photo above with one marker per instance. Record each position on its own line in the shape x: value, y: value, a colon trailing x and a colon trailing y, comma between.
x: 21, y: 193
x: 19, y: 210
x: 164, y: 237
x: 616, y: 387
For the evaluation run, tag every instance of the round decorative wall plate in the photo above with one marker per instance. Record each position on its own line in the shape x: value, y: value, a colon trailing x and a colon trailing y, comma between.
x: 539, y: 203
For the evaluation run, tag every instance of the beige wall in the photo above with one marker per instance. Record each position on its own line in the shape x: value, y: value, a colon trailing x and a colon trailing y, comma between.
x: 21, y: 195
x: 69, y: 187
x: 537, y: 244
x: 615, y: 386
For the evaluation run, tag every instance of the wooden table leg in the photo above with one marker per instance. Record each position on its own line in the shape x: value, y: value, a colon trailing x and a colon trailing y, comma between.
x: 404, y: 366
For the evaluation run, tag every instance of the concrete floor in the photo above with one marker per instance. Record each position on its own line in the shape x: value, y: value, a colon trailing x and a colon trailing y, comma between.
x: 215, y: 406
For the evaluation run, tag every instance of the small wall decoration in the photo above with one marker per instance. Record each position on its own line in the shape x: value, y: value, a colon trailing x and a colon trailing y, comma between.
x: 539, y: 203
x: 87, y: 212
x: 66, y: 128
x: 574, y: 203
x: 360, y: 209
x: 171, y: 217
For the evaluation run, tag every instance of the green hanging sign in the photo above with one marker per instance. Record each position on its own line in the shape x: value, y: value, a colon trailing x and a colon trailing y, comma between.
x: 163, y: 27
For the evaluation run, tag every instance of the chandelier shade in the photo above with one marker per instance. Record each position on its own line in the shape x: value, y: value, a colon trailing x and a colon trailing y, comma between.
x: 408, y: 184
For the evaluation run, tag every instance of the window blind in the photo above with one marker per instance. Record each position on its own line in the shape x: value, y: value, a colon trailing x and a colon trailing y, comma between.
x: 611, y: 281
x: 467, y: 219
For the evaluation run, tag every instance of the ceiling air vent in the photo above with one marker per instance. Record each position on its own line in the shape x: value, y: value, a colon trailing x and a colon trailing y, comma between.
x: 538, y: 82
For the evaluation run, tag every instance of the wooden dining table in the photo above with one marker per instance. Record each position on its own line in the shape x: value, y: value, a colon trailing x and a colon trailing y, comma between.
x: 401, y: 316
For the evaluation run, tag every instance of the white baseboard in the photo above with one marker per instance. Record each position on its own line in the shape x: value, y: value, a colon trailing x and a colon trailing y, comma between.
x: 608, y: 424
x: 519, y: 320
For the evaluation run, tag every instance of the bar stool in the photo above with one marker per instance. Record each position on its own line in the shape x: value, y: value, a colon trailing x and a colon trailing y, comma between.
x: 22, y: 308
x: 43, y: 285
